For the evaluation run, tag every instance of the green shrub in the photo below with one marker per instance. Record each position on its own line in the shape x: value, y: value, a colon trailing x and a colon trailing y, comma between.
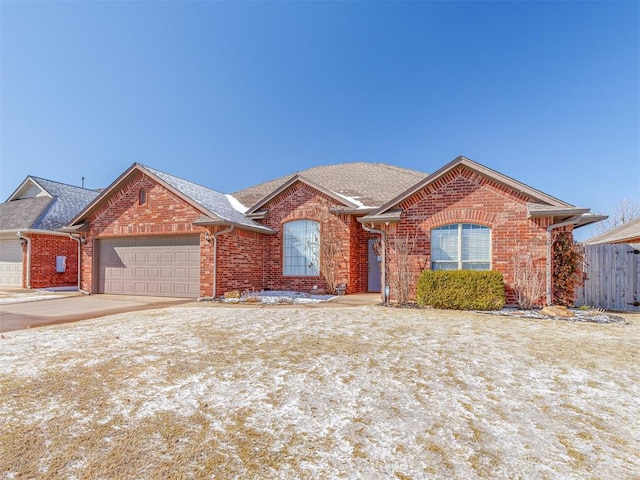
x: 461, y: 289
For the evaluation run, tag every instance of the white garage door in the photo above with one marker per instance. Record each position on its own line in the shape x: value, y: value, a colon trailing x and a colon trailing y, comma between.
x: 157, y: 266
x: 10, y: 263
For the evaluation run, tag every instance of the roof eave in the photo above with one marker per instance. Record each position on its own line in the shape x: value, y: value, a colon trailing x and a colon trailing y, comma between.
x: 389, y: 217
x: 590, y: 219
x: 212, y: 222
x: 33, y: 231
x: 259, y: 215
x: 532, y: 212
x: 352, y: 211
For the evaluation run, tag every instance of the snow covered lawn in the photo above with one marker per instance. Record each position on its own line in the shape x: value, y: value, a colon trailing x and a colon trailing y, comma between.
x: 14, y: 296
x: 301, y: 392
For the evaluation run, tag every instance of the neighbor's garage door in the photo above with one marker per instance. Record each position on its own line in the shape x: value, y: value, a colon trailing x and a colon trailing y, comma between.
x: 10, y: 263
x: 159, y: 265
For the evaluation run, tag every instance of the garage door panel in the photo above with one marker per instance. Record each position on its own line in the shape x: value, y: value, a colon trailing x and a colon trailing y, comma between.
x: 10, y: 263
x: 164, y: 265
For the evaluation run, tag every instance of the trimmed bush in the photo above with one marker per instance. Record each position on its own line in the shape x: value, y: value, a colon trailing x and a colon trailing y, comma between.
x: 461, y: 289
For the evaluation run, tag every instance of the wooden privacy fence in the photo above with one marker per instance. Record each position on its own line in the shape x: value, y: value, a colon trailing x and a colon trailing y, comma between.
x: 613, y: 277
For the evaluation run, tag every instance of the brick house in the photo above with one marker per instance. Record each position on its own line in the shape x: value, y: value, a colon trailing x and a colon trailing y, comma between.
x: 330, y: 226
x: 33, y: 252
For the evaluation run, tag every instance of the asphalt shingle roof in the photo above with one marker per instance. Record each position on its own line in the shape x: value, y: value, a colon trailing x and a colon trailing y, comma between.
x: 211, y: 200
x: 627, y: 233
x: 68, y: 200
x: 371, y: 184
x: 22, y: 214
x: 45, y: 213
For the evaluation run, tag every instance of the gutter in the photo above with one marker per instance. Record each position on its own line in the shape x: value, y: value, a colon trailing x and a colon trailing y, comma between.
x: 571, y: 221
x: 33, y: 231
x: 81, y: 241
x: 215, y: 258
x: 383, y: 269
x: 28, y: 240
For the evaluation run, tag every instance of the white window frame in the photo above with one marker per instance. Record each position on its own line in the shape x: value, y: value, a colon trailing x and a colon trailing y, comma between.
x: 460, y: 247
x: 301, y: 248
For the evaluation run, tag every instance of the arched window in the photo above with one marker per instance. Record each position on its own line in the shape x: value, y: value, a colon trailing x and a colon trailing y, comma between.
x: 461, y: 246
x: 142, y: 196
x: 301, y: 256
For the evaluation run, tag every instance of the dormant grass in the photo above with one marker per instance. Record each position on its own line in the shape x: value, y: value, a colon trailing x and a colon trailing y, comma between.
x: 232, y: 392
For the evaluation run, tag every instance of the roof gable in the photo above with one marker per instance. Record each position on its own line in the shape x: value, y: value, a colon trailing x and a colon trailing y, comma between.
x: 299, y: 179
x: 214, y: 206
x: 43, y: 204
x: 535, y: 195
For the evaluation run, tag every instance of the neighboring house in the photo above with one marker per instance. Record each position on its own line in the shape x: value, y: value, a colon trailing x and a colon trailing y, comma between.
x: 151, y: 233
x: 33, y: 252
x: 626, y: 233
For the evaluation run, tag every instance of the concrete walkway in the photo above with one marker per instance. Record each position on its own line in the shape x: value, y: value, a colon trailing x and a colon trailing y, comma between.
x: 74, y: 307
x: 17, y: 316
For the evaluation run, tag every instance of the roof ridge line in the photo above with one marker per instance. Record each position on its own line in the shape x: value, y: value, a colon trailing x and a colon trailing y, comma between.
x: 33, y: 177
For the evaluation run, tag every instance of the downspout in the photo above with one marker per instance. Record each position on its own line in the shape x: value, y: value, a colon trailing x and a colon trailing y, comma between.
x: 383, y: 270
x: 572, y: 221
x: 80, y: 241
x: 28, y: 240
x: 215, y: 258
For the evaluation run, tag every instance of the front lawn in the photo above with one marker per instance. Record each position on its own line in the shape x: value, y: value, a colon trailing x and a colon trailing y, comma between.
x: 300, y: 392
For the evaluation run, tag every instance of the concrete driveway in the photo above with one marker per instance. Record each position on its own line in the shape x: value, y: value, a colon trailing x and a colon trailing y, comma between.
x: 17, y: 316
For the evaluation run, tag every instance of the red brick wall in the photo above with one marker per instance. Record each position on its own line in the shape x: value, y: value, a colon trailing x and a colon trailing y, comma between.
x: 463, y: 196
x: 302, y: 202
x: 163, y: 213
x: 240, y: 257
x: 44, y: 249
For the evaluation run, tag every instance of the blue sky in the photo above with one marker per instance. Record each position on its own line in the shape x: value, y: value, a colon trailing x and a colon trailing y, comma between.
x: 230, y: 94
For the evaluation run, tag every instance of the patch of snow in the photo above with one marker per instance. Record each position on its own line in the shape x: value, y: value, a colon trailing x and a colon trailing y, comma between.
x: 591, y: 316
x: 58, y: 289
x: 31, y: 296
x: 360, y: 392
x: 235, y: 203
x: 281, y: 296
x: 353, y: 200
